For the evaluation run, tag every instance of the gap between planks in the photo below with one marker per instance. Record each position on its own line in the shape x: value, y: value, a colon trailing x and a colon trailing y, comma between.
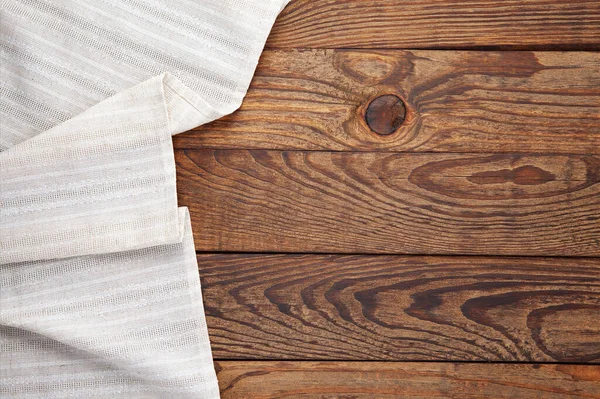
x: 416, y: 255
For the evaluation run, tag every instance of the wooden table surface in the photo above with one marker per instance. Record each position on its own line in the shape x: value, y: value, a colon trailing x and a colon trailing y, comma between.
x: 407, y: 204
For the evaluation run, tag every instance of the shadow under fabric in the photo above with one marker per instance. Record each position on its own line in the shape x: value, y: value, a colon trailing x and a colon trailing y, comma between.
x: 99, y: 288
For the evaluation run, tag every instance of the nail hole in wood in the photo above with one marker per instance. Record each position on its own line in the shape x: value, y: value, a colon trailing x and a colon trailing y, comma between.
x: 385, y: 114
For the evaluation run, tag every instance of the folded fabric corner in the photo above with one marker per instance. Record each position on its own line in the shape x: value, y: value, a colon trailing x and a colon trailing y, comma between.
x: 99, y: 288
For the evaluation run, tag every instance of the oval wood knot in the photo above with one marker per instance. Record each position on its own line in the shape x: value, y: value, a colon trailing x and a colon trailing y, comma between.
x: 385, y: 114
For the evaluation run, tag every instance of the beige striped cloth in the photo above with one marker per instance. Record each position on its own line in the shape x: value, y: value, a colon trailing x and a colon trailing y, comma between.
x: 99, y: 288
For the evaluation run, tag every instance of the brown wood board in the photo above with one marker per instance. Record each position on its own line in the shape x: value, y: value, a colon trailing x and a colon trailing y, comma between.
x: 391, y: 203
x: 455, y: 101
x: 335, y: 307
x: 440, y: 24
x: 367, y: 380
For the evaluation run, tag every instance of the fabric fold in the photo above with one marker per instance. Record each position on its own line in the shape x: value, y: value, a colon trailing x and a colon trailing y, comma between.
x: 99, y: 288
x: 101, y: 182
x: 127, y: 324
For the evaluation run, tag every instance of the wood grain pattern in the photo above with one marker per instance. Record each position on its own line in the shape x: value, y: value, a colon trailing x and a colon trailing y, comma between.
x: 336, y: 307
x: 500, y: 155
x: 273, y: 201
x: 438, y: 24
x: 456, y: 101
x: 326, y: 380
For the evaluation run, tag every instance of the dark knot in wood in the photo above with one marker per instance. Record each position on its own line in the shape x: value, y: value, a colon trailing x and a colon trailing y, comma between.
x: 385, y: 114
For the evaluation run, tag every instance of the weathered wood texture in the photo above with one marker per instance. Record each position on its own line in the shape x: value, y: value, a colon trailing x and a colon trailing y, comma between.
x: 273, y: 201
x: 419, y: 152
x: 367, y: 380
x: 438, y: 24
x: 456, y: 102
x: 335, y: 307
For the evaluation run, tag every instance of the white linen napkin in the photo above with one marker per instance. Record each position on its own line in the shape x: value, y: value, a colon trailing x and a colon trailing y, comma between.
x: 99, y: 288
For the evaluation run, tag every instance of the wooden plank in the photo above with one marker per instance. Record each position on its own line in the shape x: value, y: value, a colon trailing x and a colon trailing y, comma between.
x: 516, y: 24
x: 276, y: 380
x: 456, y: 101
x: 335, y: 307
x: 335, y: 202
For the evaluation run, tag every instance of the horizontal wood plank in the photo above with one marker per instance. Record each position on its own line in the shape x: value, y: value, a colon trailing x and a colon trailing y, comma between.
x: 367, y: 380
x: 455, y: 101
x: 335, y: 307
x: 438, y: 24
x: 390, y: 203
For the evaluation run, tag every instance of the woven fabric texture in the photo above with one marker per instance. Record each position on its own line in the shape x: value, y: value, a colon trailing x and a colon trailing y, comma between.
x: 99, y: 288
